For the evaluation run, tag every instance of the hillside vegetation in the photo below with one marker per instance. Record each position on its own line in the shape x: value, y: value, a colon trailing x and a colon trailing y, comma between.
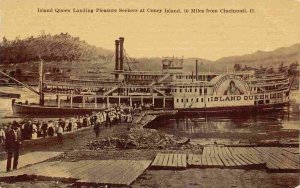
x: 286, y: 55
x: 66, y: 48
x: 61, y: 47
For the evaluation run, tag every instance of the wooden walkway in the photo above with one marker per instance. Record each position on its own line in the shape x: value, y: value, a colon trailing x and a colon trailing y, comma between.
x: 103, y: 172
x: 169, y: 161
x: 30, y: 158
x: 272, y: 158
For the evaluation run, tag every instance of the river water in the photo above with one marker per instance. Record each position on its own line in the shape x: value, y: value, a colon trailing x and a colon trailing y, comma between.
x: 280, y: 126
x: 275, y: 125
x: 6, y: 113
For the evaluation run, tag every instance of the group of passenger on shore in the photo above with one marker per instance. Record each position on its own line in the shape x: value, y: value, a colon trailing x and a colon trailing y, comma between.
x: 33, y: 128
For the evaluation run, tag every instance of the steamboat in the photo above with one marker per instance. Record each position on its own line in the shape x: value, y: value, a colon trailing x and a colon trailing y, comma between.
x: 170, y: 88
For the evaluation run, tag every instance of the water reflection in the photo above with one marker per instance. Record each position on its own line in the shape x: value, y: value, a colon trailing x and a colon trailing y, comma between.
x: 270, y: 125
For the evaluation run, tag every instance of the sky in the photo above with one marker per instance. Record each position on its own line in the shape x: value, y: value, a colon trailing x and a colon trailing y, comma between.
x: 274, y: 24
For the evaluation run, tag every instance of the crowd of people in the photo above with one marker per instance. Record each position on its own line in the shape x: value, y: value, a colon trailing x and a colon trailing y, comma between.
x: 33, y: 128
x: 12, y: 134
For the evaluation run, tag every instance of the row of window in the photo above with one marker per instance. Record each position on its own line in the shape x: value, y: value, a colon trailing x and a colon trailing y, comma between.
x: 187, y: 100
x: 192, y: 77
x: 191, y: 90
x: 148, y: 77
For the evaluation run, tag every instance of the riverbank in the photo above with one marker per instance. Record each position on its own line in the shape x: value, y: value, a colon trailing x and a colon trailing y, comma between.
x: 75, y: 148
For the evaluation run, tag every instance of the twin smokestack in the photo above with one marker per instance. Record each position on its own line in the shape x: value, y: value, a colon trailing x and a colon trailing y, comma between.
x: 119, y: 54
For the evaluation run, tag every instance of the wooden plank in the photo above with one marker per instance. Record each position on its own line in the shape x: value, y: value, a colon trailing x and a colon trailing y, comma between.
x: 214, y: 161
x: 170, y: 160
x: 160, y: 160
x: 208, y: 151
x: 284, y: 160
x: 203, y: 160
x: 294, y: 157
x: 62, y: 170
x: 92, y: 175
x: 77, y: 171
x: 190, y: 159
x: 228, y: 157
x: 155, y: 161
x: 175, y: 160
x: 110, y: 171
x: 199, y: 160
x: 165, y: 161
x: 237, y: 156
x: 179, y: 160
x: 219, y: 161
x: 143, y: 165
x: 290, y: 158
x: 248, y: 159
x: 127, y: 174
x: 204, y: 151
x: 123, y: 173
x: 237, y: 160
x: 183, y: 159
x: 223, y: 159
x: 208, y: 159
x: 271, y: 162
x: 274, y: 154
x: 97, y: 172
x: 85, y: 169
x: 31, y: 158
x: 253, y: 154
x: 256, y: 154
x: 292, y: 150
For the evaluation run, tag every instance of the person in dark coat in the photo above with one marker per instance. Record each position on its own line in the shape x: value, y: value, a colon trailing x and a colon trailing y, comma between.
x: 44, y: 129
x: 13, y: 141
x: 69, y: 126
x: 97, y: 129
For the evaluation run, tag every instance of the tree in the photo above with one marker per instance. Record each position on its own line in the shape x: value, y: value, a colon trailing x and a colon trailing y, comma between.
x: 282, y: 68
x: 237, y: 67
x: 270, y: 70
x: 293, y: 69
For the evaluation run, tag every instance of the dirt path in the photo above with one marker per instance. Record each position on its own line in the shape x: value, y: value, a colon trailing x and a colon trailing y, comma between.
x: 216, y: 178
x: 70, y: 140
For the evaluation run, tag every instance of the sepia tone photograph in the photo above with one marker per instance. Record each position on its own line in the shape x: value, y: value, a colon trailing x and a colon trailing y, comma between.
x: 130, y: 93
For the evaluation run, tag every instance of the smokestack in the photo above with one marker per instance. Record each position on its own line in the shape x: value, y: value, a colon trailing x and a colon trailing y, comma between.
x: 192, y: 76
x: 121, y: 52
x: 117, y: 58
x: 196, y: 69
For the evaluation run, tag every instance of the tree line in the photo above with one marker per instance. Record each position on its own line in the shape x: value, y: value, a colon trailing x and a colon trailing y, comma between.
x: 290, y: 70
x: 60, y: 47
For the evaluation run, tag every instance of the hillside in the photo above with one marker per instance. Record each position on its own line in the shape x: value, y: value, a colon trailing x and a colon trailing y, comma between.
x: 61, y: 47
x: 66, y: 48
x: 287, y: 55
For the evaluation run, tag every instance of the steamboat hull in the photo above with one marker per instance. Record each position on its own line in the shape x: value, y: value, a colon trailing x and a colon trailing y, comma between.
x: 47, y: 110
x: 236, y: 109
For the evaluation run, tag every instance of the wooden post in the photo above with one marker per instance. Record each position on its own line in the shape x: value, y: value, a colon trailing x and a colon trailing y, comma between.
x: 83, y: 101
x: 153, y: 100
x: 164, y: 102
x: 142, y: 101
x: 58, y: 101
x: 119, y: 100
x: 42, y: 100
x: 130, y: 101
x: 95, y: 101
x: 107, y: 102
x: 71, y: 101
